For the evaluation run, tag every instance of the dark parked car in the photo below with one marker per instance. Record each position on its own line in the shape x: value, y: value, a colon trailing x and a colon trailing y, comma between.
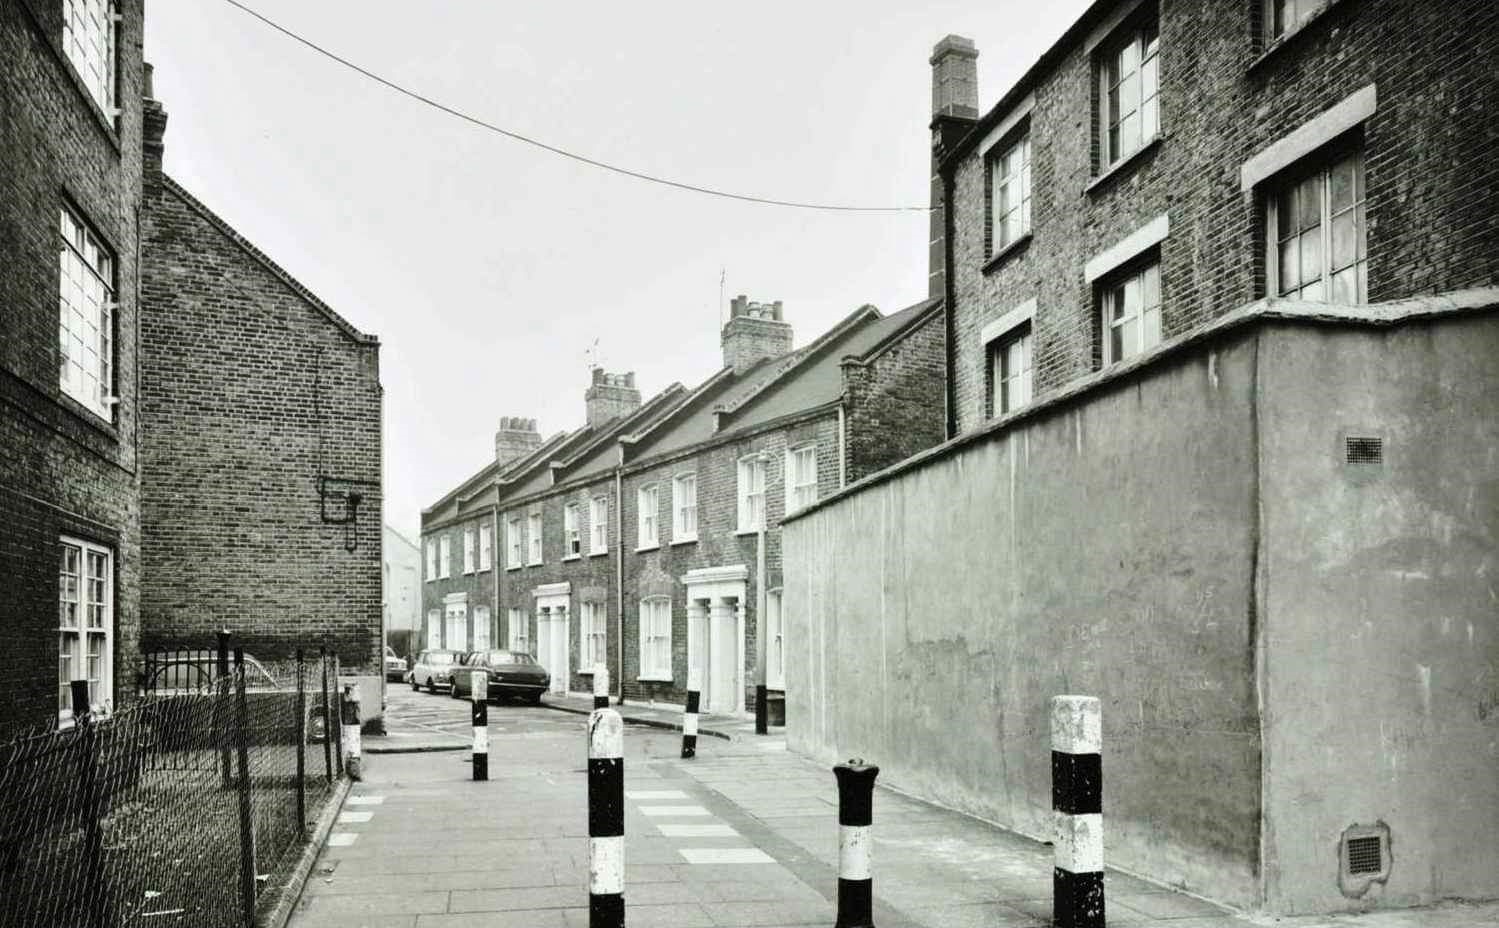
x: 432, y: 667
x: 510, y: 673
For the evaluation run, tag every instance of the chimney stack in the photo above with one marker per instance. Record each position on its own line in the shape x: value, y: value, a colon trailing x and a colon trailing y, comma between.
x: 610, y: 396
x: 755, y: 332
x: 955, y: 110
x: 515, y: 439
x: 154, y: 126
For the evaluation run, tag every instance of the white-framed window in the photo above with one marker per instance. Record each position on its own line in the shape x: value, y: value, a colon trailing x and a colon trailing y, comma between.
x: 481, y: 628
x: 445, y: 556
x: 434, y: 629
x: 1131, y: 308
x: 655, y: 638
x: 684, y: 507
x: 533, y: 538
x: 431, y: 560
x: 1315, y: 233
x: 751, y: 493
x: 598, y: 524
x: 89, y: 37
x: 455, y: 635
x: 775, y: 641
x: 86, y: 312
x: 1010, y: 194
x: 520, y: 631
x: 85, y: 624
x: 468, y: 550
x: 648, y: 512
x: 1129, y: 84
x: 486, y: 547
x: 801, y: 477
x: 1010, y: 370
x: 592, y: 636
x: 572, y: 537
x: 1284, y: 16
x: 514, y: 547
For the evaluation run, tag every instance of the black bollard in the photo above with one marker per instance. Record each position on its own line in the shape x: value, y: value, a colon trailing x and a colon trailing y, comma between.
x: 1077, y: 801
x: 855, y: 814
x: 689, y: 717
x: 479, y: 693
x: 606, y: 819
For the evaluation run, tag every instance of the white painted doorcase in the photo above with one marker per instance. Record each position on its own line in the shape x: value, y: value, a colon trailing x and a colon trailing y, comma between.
x: 455, y: 631
x: 552, y: 632
x: 716, y: 632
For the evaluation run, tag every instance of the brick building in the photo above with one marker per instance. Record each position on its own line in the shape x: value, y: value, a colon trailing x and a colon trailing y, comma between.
x: 1221, y: 285
x: 1166, y: 163
x: 260, y: 446
x: 575, y: 560
x: 70, y: 141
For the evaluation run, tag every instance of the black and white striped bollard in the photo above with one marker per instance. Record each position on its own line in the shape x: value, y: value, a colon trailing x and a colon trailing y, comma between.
x: 855, y: 814
x: 479, y: 693
x: 606, y: 819
x: 600, y: 686
x: 689, y: 716
x: 349, y: 715
x: 1077, y: 798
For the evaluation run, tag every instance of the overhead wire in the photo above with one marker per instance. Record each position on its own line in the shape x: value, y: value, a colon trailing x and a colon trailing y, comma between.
x: 554, y: 149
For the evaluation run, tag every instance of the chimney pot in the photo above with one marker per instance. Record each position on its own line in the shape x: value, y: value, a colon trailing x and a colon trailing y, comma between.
x: 515, y: 438
x: 610, y: 396
x: 755, y: 332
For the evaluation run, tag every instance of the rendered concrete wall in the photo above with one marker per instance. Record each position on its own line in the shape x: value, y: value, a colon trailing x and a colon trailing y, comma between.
x: 1104, y: 548
x: 1380, y: 600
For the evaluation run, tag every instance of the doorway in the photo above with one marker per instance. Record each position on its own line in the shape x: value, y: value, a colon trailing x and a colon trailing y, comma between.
x: 552, y: 641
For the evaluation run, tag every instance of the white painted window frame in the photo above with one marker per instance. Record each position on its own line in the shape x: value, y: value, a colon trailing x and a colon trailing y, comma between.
x: 593, y: 636
x: 655, y: 639
x: 775, y: 642
x: 444, y: 556
x: 468, y: 549
x: 751, y: 495
x: 572, y: 538
x: 684, y: 508
x: 90, y: 39
x: 1149, y: 331
x: 534, y: 550
x: 1143, y: 39
x: 800, y: 493
x: 486, y: 547
x: 1010, y: 362
x: 481, y: 640
x: 598, y: 525
x: 431, y: 559
x: 519, y: 629
x: 86, y: 315
x: 1005, y: 185
x: 647, y: 517
x: 1321, y: 169
x: 92, y: 593
x: 515, y: 543
x: 434, y: 629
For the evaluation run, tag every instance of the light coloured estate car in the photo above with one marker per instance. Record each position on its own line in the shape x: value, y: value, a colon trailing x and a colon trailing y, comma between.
x: 433, y: 668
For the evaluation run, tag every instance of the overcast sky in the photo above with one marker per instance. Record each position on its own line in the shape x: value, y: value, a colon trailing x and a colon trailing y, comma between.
x: 488, y: 267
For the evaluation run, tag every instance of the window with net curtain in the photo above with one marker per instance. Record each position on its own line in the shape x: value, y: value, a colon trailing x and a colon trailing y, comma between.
x: 1129, y: 85
x: 655, y: 638
x: 85, y: 634
x: 1315, y: 232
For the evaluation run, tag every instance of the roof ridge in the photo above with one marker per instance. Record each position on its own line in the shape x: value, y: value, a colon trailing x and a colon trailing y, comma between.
x: 297, y: 287
x: 695, y: 393
x: 646, y: 409
x: 843, y: 327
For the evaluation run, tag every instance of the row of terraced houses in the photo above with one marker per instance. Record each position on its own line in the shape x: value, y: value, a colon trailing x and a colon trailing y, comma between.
x: 647, y: 540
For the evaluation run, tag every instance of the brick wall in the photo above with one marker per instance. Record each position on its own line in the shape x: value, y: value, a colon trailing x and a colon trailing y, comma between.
x: 260, y: 406
x: 63, y: 470
x: 479, y: 586
x: 894, y: 399
x: 1431, y: 176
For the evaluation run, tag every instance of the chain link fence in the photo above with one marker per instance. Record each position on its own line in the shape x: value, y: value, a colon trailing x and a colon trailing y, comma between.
x: 176, y: 810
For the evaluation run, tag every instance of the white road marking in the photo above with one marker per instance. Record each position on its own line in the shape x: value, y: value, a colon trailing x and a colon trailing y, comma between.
x: 663, y: 811
x: 342, y: 838
x: 350, y: 818
x: 725, y: 855
x: 655, y: 794
x: 697, y: 831
x: 366, y: 800
x: 772, y: 746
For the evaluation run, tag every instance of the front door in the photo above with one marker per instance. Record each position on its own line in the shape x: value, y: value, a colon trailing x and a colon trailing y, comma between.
x: 697, y: 647
x: 723, y: 653
x: 457, y: 627
x: 551, y: 643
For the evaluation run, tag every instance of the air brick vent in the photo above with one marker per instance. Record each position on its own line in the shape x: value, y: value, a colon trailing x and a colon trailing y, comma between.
x: 1364, y: 450
x: 1365, y: 855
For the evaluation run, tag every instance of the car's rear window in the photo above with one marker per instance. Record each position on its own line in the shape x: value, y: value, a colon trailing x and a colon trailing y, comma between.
x: 502, y: 657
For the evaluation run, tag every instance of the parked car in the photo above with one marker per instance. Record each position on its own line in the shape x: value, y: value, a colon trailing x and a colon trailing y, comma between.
x: 432, y: 669
x: 395, y: 667
x: 510, y: 673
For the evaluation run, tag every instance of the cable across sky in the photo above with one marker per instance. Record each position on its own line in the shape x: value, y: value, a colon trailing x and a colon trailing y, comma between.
x: 584, y: 159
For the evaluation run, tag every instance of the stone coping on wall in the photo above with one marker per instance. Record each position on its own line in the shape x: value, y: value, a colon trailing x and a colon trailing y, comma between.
x: 1260, y: 312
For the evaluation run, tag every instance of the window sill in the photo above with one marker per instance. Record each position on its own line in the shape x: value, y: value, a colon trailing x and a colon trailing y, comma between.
x: 685, y: 540
x: 572, y: 557
x: 515, y: 567
x: 644, y: 678
x: 598, y: 553
x: 1003, y: 256
x: 650, y: 547
x: 534, y: 563
x: 1125, y: 165
x: 749, y: 531
x: 1289, y: 38
x: 484, y: 570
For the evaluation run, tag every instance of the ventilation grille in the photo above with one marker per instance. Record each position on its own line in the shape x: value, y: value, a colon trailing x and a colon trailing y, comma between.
x: 1364, y: 450
x: 1364, y: 854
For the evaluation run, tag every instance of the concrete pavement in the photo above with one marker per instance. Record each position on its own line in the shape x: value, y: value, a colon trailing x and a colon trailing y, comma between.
x: 743, y: 835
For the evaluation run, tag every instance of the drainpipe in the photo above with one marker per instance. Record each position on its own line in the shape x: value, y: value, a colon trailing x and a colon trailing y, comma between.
x: 949, y: 299
x: 762, y: 698
x: 842, y: 448
x: 619, y: 571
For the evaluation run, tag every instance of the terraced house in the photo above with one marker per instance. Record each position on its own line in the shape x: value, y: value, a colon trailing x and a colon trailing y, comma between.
x: 1220, y: 285
x: 646, y: 539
